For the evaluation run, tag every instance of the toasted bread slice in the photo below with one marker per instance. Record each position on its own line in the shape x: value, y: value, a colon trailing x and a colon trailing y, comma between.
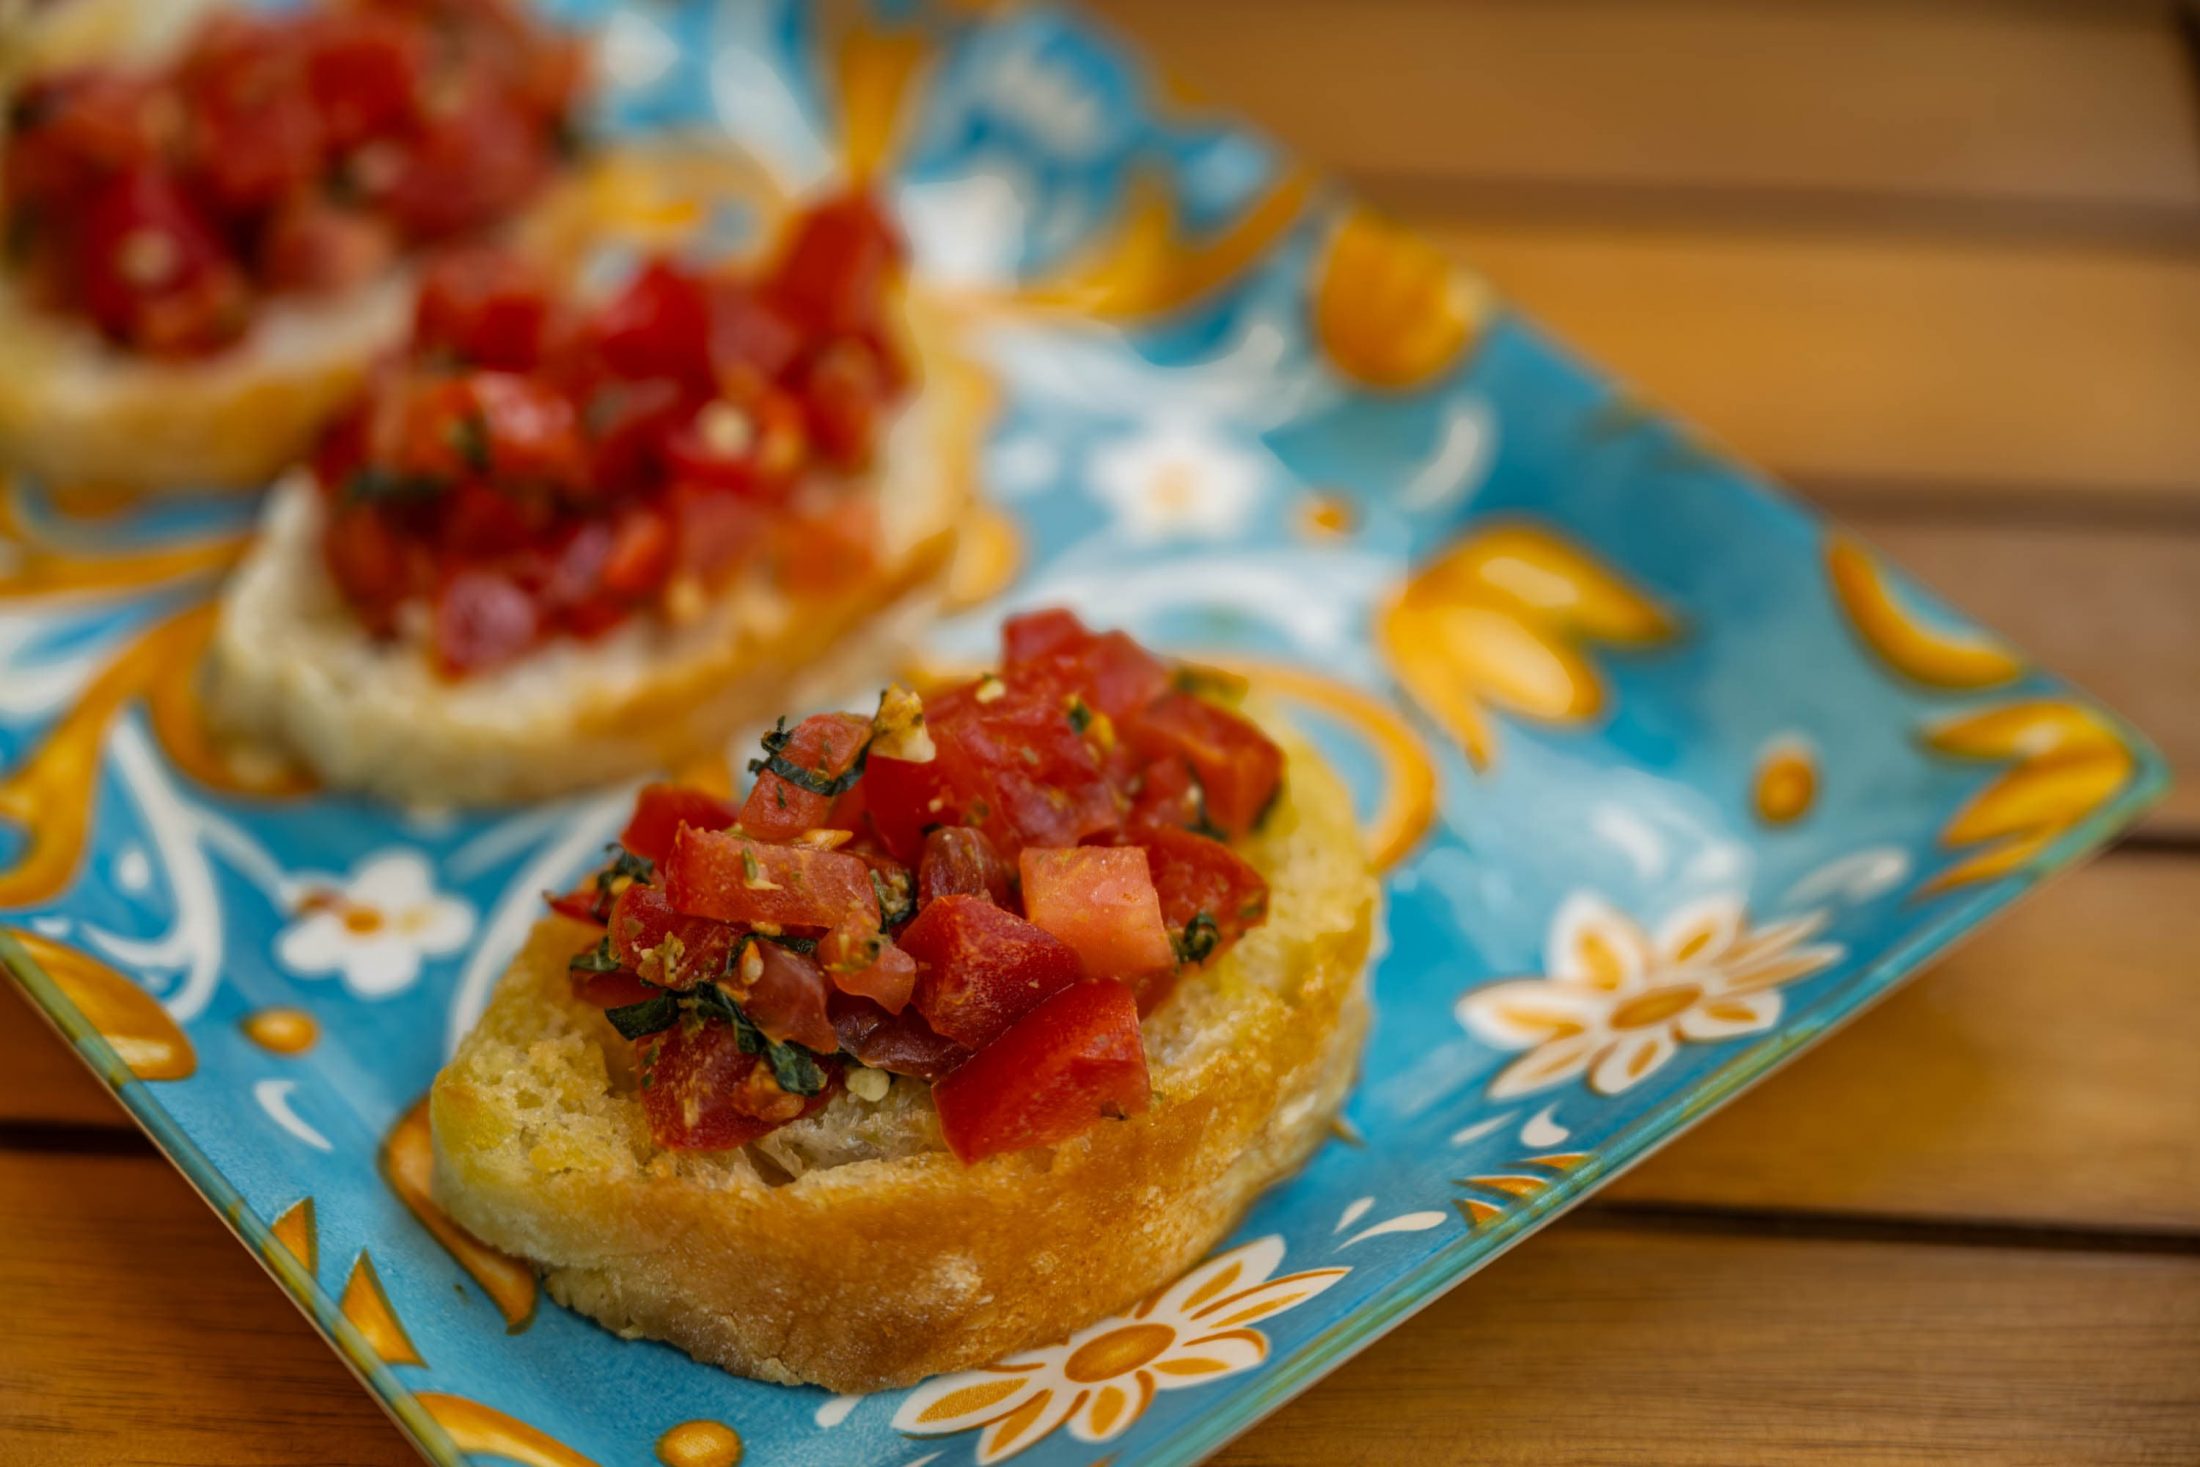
x: 290, y: 665
x: 850, y: 1249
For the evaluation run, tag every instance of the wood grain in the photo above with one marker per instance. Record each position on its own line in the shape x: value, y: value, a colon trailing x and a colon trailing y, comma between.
x: 1619, y: 1347
x: 138, y: 1331
x: 2069, y: 106
x: 2043, y: 1074
x: 1987, y: 368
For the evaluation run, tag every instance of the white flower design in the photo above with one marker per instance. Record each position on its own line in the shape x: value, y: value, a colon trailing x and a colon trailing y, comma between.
x: 1177, y: 481
x: 1104, y: 1377
x: 1617, y: 1002
x: 375, y: 928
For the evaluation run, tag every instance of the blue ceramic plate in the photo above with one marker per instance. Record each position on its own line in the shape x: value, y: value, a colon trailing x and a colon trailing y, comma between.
x: 1669, y: 777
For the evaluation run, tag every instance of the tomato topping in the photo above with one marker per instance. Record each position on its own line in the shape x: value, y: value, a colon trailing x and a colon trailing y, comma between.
x: 959, y: 861
x: 659, y: 326
x: 784, y: 993
x: 702, y: 1093
x: 487, y: 307
x: 482, y: 620
x: 979, y: 968
x: 734, y: 879
x: 1101, y: 901
x: 663, y: 946
x: 833, y: 272
x: 1197, y: 877
x: 1074, y: 1060
x: 1238, y: 768
x: 863, y: 904
x: 902, y: 1044
x: 804, y: 770
x: 659, y: 812
x: 292, y: 152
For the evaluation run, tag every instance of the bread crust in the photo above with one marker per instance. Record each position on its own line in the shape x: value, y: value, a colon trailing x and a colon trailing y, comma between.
x: 858, y: 1254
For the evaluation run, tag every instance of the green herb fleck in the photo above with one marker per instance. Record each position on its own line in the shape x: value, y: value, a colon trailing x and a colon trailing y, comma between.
x: 816, y: 781
x: 653, y: 1015
x: 469, y: 437
x: 1198, y: 941
x: 598, y: 959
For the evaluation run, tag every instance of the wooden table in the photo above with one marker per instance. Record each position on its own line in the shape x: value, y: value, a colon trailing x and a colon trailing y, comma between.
x: 1938, y: 264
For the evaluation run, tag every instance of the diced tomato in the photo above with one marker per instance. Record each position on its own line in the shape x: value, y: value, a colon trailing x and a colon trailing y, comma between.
x: 482, y: 620
x: 627, y: 423
x: 1072, y: 1062
x: 1110, y: 672
x: 478, y: 163
x: 712, y: 531
x: 315, y: 247
x: 784, y: 994
x: 1008, y: 762
x: 960, y: 861
x: 861, y: 960
x: 979, y: 968
x: 530, y: 435
x: 833, y: 273
x: 751, y: 339
x: 659, y: 812
x: 254, y: 131
x: 904, y: 799
x: 668, y: 949
x: 1193, y: 875
x: 482, y: 521
x: 372, y: 565
x: 734, y: 879
x: 821, y: 750
x: 701, y: 1093
x: 659, y: 326
x: 488, y: 307
x: 642, y: 555
x: 843, y: 397
x: 902, y: 1044
x: 1238, y: 767
x: 156, y: 275
x: 610, y: 990
x: 1167, y: 797
x: 363, y: 70
x: 72, y: 131
x: 1101, y: 901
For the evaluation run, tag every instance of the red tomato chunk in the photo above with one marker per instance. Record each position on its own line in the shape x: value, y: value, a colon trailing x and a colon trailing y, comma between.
x: 980, y: 969
x: 1101, y: 901
x: 701, y: 1093
x: 662, y: 809
x: 820, y: 750
x: 1075, y: 1060
x: 733, y: 879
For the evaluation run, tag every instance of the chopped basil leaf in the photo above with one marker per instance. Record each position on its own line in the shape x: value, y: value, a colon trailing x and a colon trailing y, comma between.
x: 371, y: 485
x: 1198, y: 941
x: 470, y: 441
x: 795, y: 1068
x: 599, y: 959
x: 653, y: 1015
x: 813, y: 780
x: 1080, y: 717
x: 896, y: 902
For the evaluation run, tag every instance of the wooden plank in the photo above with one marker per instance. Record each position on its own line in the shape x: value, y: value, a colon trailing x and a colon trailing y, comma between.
x: 2113, y: 609
x: 1592, y: 1343
x: 2084, y: 106
x: 41, y: 1082
x: 2042, y: 1074
x: 1620, y: 1347
x: 2050, y: 371
x: 139, y: 1330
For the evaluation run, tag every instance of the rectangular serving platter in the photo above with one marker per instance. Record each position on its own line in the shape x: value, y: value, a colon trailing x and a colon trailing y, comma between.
x: 1667, y: 776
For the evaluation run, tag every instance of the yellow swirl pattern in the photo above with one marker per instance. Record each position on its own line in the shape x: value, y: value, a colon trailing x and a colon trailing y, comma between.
x: 700, y: 1444
x: 1953, y: 660
x: 144, y: 1038
x: 408, y: 1162
x: 367, y: 1305
x: 473, y: 1427
x: 876, y: 71
x: 1150, y: 266
x: 1408, y: 802
x: 35, y: 567
x: 1390, y: 311
x: 2066, y: 762
x: 1503, y: 619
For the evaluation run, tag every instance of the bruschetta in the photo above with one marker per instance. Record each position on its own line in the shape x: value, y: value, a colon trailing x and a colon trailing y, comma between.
x: 594, y: 525
x: 974, y: 1021
x: 210, y: 233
